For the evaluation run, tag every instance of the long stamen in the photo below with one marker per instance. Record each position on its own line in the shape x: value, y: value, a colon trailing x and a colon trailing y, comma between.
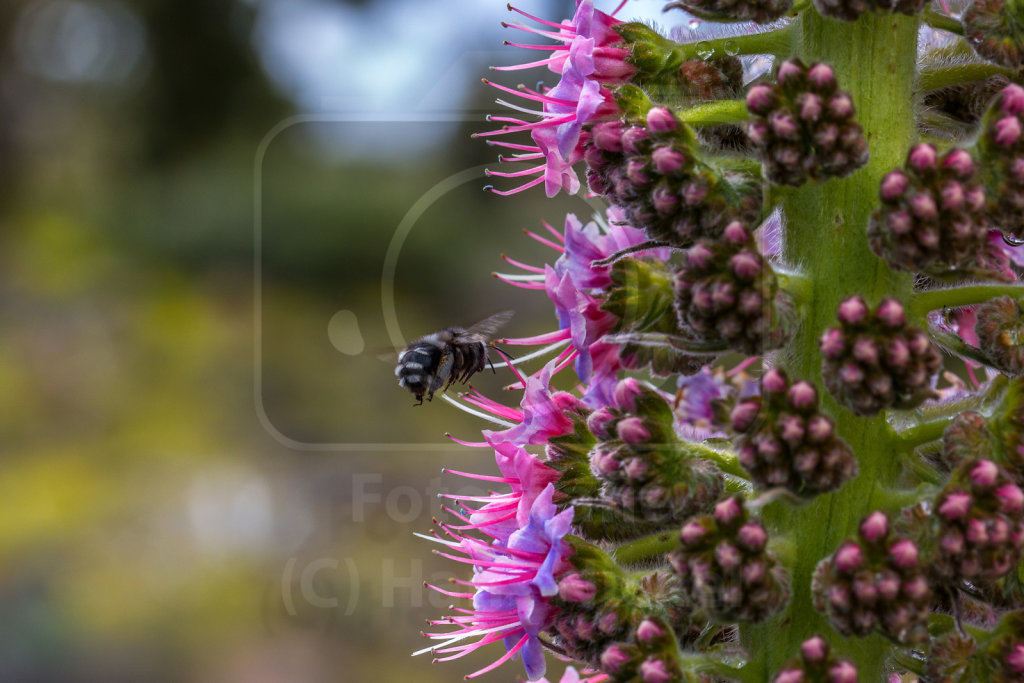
x: 520, y: 108
x: 518, y: 283
x: 513, y: 368
x: 557, y: 247
x: 520, y: 157
x: 471, y: 444
x: 501, y: 660
x: 513, y: 145
x: 544, y: 22
x: 526, y: 65
x: 477, y: 413
x: 515, y: 174
x: 526, y: 277
x: 527, y: 93
x: 539, y: 47
x: 559, y: 236
x: 524, y: 266
x: 536, y: 354
x: 536, y: 31
x: 506, y: 193
x: 546, y: 338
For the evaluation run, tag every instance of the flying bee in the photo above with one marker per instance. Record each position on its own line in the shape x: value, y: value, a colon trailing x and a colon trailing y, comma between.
x: 447, y: 356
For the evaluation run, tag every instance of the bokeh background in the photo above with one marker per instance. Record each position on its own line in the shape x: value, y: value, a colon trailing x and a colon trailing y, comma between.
x: 215, y: 215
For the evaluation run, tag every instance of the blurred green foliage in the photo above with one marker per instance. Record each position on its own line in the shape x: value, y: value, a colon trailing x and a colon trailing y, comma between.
x: 157, y: 510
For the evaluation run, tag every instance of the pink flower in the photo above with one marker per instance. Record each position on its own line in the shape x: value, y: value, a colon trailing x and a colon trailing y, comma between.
x: 585, y: 244
x: 586, y: 62
x: 500, y: 514
x: 514, y: 582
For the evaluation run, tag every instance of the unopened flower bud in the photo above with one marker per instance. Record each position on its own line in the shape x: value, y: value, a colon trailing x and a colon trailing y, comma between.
x: 661, y: 120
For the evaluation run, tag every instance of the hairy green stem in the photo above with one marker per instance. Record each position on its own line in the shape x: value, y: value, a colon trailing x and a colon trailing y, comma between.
x: 778, y: 42
x: 726, y: 461
x: 956, y: 345
x: 952, y: 297
x: 825, y: 239
x: 940, y: 77
x: 909, y: 439
x: 797, y: 286
x: 655, y: 545
x: 942, y: 21
x: 708, y: 664
x: 893, y: 500
x: 714, y: 113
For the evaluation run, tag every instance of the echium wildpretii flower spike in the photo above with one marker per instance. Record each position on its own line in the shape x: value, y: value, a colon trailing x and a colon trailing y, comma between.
x: 817, y: 664
x: 874, y: 360
x: 611, y: 533
x: 724, y: 564
x: 932, y: 217
x: 785, y: 441
x: 1001, y: 149
x: 653, y: 169
x: 803, y: 126
x: 645, y: 469
x: 878, y: 582
x: 995, y: 28
x: 726, y: 290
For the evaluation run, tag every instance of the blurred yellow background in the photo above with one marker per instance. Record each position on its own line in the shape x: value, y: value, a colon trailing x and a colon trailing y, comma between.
x: 206, y: 474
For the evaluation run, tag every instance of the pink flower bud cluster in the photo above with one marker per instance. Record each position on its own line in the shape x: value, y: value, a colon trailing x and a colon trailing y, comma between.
x: 1002, y: 156
x: 647, y: 658
x: 817, y: 665
x: 624, y: 626
x: 994, y: 29
x: 873, y: 360
x: 850, y: 10
x: 1006, y: 653
x: 1000, y: 330
x: 1000, y: 438
x: 723, y: 563
x: 803, y: 125
x: 785, y: 441
x: 950, y: 658
x: 759, y: 11
x: 644, y: 468
x: 875, y: 583
x: 932, y: 214
x: 727, y: 291
x: 653, y: 173
x: 588, y: 620
x: 966, y: 438
x: 978, y: 524
x: 997, y: 655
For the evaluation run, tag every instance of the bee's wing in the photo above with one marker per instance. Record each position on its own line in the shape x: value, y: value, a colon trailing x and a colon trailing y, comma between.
x: 392, y: 356
x: 486, y: 329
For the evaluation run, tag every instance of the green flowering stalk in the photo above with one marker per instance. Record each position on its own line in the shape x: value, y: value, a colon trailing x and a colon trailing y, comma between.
x: 794, y: 447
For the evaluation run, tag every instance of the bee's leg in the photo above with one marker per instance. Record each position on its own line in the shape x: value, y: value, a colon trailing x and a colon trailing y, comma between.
x: 506, y: 355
